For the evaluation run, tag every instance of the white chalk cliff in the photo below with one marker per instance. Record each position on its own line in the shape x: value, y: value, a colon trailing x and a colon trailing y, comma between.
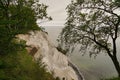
x: 55, y: 61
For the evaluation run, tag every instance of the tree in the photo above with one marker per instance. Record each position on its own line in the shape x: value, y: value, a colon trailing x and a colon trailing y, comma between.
x: 95, y: 25
x: 18, y: 17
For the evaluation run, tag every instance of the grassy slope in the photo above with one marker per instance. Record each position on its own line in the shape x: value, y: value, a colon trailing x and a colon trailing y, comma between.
x: 20, y: 66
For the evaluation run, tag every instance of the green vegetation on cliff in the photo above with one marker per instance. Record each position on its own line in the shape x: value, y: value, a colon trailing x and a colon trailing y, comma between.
x: 19, y: 17
x: 21, y: 66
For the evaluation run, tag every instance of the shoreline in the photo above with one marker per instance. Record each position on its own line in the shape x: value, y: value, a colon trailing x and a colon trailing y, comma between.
x: 77, y: 71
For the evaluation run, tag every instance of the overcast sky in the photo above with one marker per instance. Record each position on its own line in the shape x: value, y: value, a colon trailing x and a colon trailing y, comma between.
x: 57, y: 11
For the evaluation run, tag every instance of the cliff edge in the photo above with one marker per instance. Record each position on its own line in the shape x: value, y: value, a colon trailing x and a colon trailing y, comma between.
x: 55, y: 61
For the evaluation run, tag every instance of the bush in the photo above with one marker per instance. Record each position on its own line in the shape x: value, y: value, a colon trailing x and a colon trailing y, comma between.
x: 21, y: 66
x: 59, y: 48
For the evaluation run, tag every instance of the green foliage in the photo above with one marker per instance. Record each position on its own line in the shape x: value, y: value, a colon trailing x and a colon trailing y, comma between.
x: 21, y: 66
x: 18, y: 17
x: 117, y: 2
x: 93, y: 26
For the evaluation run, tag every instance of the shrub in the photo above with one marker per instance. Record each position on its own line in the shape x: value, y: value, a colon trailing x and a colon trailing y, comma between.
x: 21, y: 66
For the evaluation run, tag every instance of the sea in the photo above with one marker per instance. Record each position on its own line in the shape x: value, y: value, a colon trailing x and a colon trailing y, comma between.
x: 92, y: 68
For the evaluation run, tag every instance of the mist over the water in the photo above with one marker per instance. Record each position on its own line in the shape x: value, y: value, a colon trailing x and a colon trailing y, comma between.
x: 92, y: 68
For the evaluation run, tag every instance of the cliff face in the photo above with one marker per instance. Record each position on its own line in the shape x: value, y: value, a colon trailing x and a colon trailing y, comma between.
x: 55, y: 61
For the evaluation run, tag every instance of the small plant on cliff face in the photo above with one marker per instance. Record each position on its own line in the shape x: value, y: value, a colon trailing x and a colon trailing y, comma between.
x: 57, y: 78
x: 64, y: 51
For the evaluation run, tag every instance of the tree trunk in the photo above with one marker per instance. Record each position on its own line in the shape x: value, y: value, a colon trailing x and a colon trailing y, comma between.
x: 114, y: 56
x: 116, y: 64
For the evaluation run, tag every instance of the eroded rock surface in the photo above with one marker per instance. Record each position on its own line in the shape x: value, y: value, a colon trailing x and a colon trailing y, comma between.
x: 55, y: 61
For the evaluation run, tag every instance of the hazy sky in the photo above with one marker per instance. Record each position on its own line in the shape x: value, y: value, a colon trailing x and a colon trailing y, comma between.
x: 57, y: 11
